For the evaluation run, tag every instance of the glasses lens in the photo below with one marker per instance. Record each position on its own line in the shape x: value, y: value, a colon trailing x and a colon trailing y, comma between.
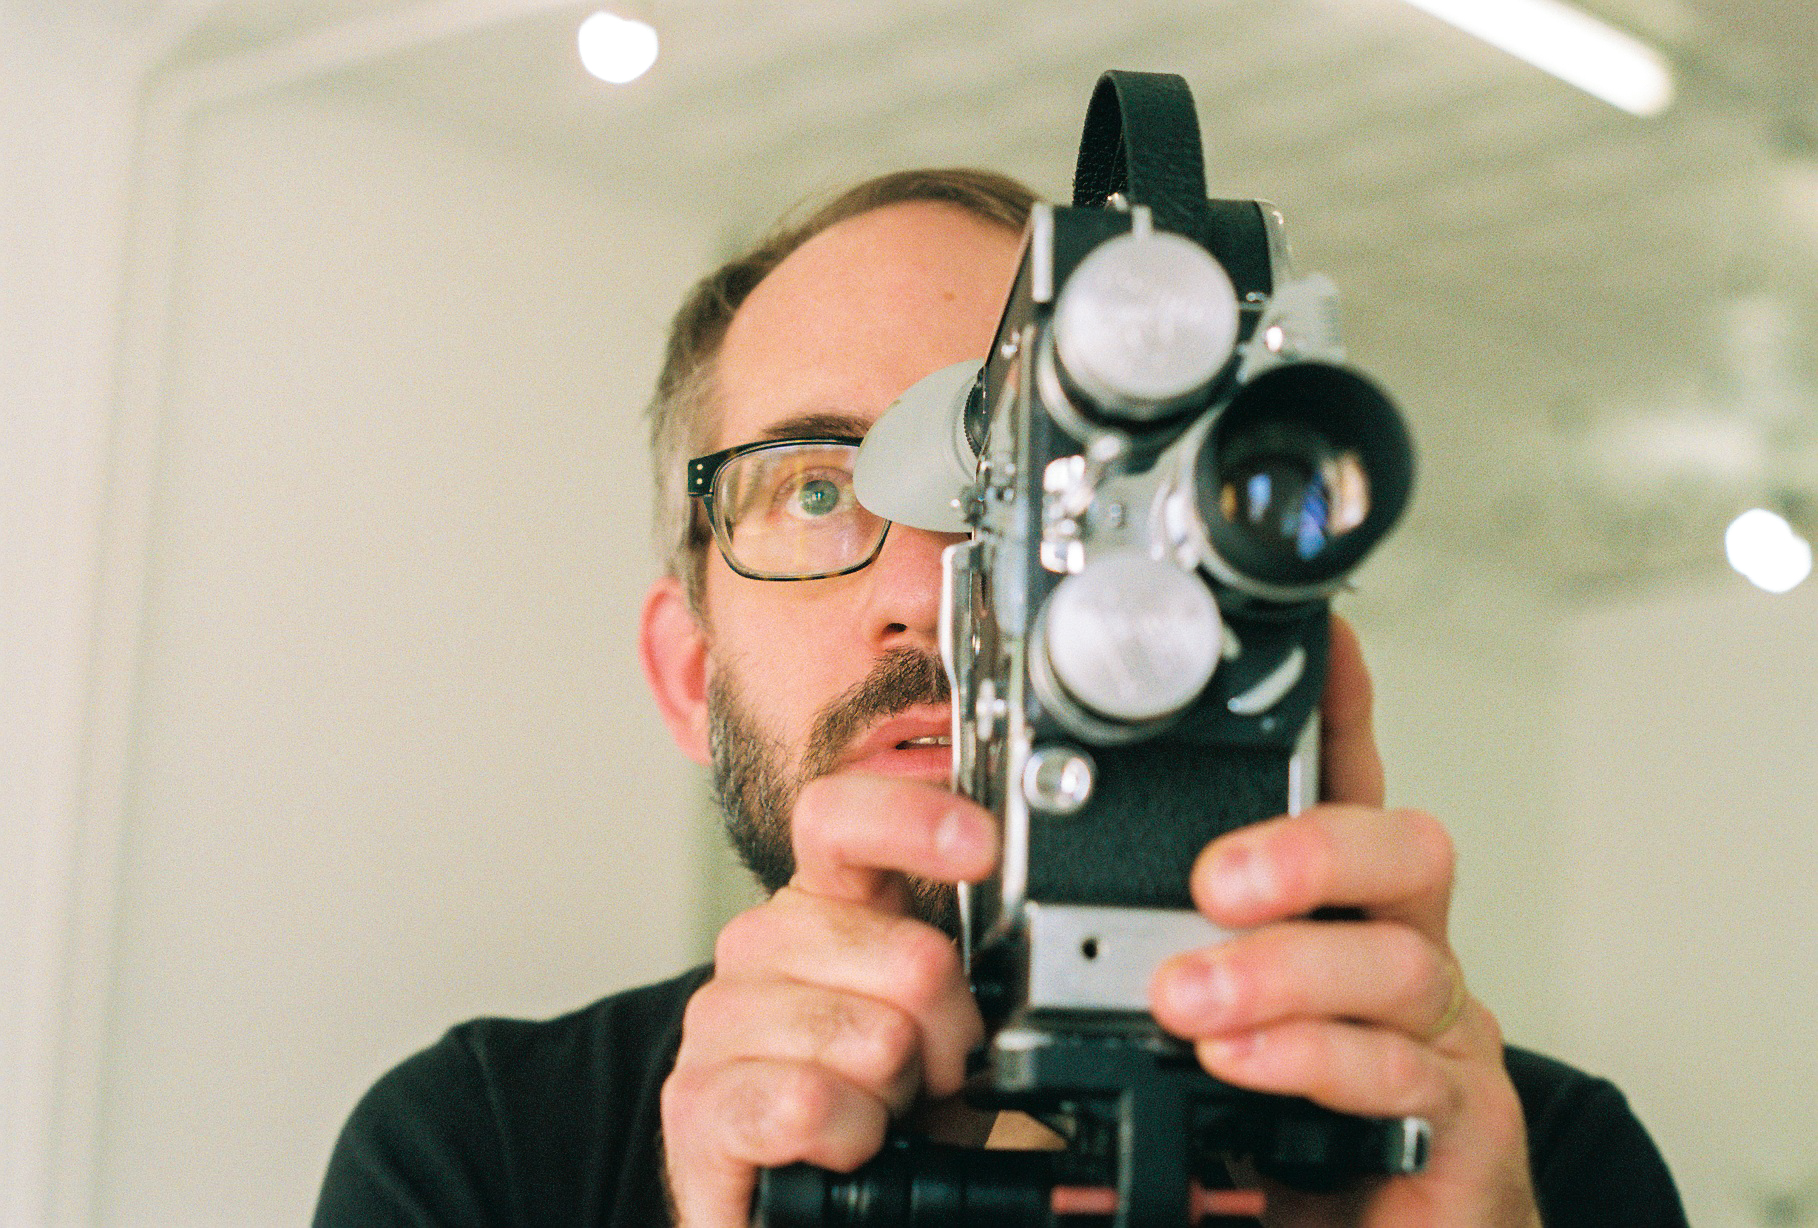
x: 789, y: 511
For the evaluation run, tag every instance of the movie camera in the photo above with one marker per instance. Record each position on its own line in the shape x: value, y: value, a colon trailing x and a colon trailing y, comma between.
x: 1166, y: 470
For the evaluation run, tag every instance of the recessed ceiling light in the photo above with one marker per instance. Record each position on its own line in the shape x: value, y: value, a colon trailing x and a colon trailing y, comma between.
x: 1765, y: 549
x: 1569, y: 43
x: 615, y: 48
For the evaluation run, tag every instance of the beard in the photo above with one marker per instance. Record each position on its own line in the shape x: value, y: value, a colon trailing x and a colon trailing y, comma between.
x: 756, y: 789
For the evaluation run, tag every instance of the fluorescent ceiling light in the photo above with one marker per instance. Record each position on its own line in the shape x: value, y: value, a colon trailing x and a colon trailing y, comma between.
x: 1764, y: 547
x: 1570, y: 44
x: 615, y: 48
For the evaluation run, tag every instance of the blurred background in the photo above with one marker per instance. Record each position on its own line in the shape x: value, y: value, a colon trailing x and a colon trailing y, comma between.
x: 325, y: 328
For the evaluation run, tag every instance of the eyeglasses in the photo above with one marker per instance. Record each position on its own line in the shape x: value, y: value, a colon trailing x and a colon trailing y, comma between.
x: 784, y: 509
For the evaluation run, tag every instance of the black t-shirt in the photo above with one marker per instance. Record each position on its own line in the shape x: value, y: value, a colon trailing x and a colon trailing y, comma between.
x: 510, y: 1124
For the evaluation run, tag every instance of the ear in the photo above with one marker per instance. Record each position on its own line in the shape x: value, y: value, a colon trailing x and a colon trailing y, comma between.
x: 672, y: 646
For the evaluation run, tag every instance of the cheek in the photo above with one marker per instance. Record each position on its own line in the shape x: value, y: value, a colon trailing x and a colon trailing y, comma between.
x: 788, y: 657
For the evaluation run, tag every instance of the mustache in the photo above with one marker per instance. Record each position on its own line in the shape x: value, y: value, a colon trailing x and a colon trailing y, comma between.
x: 902, y: 679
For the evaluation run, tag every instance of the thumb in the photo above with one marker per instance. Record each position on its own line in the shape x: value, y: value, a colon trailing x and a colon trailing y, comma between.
x: 1350, y: 765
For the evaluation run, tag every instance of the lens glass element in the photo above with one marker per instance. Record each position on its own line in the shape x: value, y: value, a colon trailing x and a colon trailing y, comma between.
x: 1290, y: 491
x: 1301, y: 474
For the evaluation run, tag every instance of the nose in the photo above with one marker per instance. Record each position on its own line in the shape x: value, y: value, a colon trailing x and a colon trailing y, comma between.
x: 903, y: 604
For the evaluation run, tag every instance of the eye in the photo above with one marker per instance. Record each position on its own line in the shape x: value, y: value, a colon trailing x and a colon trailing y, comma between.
x: 814, y: 497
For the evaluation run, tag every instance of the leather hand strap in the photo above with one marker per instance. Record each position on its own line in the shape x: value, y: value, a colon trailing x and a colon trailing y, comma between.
x: 1142, y: 139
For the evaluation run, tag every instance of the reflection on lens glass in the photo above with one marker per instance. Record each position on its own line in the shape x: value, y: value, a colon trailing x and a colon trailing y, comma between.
x: 1297, y: 501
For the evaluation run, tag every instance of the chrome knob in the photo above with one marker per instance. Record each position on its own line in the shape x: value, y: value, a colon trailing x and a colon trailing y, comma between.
x: 1146, y: 321
x: 1131, y: 638
x: 1058, y: 780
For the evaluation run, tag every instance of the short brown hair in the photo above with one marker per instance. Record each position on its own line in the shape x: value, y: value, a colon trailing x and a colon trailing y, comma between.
x: 680, y: 415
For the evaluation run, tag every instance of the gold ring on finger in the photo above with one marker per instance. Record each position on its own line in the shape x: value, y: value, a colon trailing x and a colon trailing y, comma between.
x: 1455, y: 1005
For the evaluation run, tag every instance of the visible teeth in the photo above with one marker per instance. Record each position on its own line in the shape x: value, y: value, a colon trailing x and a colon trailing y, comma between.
x: 931, y: 740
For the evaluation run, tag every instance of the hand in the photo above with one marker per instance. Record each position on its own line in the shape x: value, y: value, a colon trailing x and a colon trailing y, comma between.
x: 830, y: 1008
x: 1368, y: 1016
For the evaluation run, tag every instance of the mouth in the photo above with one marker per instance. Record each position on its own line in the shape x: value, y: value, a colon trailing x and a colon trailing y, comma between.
x: 917, y: 742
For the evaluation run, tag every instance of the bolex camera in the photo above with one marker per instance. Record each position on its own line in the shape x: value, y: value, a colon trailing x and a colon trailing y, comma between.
x: 1165, y: 471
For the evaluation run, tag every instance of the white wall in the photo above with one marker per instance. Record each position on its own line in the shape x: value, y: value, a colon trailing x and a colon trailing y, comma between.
x: 1690, y: 963
x: 1632, y: 785
x: 1466, y: 672
x: 391, y: 761
x: 67, y: 102
x: 322, y: 527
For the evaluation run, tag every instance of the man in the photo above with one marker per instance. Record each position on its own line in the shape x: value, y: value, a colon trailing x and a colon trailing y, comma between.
x: 839, y: 1004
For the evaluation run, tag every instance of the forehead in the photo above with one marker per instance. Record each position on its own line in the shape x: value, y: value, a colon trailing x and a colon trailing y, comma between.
x: 856, y: 315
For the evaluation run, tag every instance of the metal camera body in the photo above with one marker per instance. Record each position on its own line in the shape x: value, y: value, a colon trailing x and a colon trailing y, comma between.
x: 1123, y: 694
x: 1165, y: 471
x: 1127, y: 685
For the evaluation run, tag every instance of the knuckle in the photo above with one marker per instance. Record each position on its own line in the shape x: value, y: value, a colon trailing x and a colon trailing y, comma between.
x: 882, y: 1044
x: 821, y: 1024
x: 679, y: 1099
x: 697, y: 1025
x: 775, y: 1119
x: 701, y: 1010
x: 1410, y: 966
x: 814, y: 823
x: 741, y: 940
x: 1434, y: 842
x: 925, y: 965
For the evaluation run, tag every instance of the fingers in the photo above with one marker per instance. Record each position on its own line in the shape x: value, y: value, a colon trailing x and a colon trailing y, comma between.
x: 722, y: 1123
x: 870, y: 1044
x: 823, y: 1019
x: 1367, y: 1016
x: 1363, y: 1016
x: 856, y: 836
x: 1392, y: 864
x: 1377, y: 973
x: 846, y: 949
x: 1351, y: 1068
x: 1345, y: 1014
x: 1350, y: 765
x: 831, y: 1009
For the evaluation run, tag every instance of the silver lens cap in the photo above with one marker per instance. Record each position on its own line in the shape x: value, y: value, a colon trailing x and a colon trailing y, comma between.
x: 1146, y: 321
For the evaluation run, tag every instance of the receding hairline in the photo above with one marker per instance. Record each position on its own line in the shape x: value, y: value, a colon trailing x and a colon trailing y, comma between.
x: 685, y: 410
x: 711, y: 404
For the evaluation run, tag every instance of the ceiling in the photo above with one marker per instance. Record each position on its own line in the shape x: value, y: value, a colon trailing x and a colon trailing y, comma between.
x: 1601, y: 327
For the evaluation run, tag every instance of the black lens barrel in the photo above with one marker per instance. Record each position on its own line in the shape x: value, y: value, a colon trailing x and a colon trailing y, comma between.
x: 912, y: 1183
x: 1336, y: 411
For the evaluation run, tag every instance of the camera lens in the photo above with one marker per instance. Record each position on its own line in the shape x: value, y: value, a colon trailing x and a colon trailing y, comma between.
x: 1291, y: 491
x: 1303, y: 472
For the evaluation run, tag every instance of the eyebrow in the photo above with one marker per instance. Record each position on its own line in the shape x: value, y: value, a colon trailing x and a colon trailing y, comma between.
x: 818, y: 425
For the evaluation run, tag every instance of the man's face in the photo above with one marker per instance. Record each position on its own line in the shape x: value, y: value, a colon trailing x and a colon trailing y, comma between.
x: 810, y: 677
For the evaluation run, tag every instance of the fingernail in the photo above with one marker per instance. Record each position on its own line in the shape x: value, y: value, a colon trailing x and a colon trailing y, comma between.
x: 1232, y: 1049
x: 1242, y: 881
x: 957, y: 839
x: 1202, y: 991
